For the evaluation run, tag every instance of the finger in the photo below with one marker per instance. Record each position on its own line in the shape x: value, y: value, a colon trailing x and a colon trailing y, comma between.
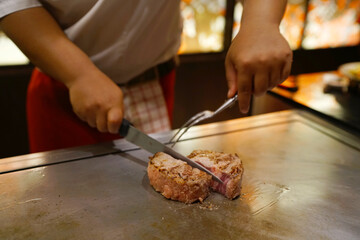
x: 81, y: 116
x: 245, y: 85
x: 114, y: 119
x: 275, y: 78
x: 101, y: 122
x: 91, y: 122
x: 86, y: 116
x: 261, y: 82
x: 286, y: 69
x: 230, y: 78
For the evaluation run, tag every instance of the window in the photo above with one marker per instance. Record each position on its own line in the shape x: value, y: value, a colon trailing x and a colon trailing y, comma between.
x: 332, y: 23
x: 317, y: 23
x: 204, y: 26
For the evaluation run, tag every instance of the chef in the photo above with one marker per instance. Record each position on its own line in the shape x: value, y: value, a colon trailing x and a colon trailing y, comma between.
x: 98, y: 61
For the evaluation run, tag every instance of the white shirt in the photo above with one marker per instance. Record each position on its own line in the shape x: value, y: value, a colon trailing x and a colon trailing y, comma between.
x: 122, y: 37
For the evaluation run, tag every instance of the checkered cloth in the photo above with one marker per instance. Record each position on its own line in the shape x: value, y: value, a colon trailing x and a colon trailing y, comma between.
x: 145, y: 106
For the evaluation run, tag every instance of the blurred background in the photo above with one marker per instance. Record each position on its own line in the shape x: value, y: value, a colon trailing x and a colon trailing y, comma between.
x: 323, y: 34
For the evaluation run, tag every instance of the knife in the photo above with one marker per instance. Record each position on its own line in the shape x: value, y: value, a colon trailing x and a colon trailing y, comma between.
x: 135, y: 136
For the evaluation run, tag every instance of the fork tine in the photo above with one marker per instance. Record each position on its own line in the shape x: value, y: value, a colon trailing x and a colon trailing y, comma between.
x: 188, y: 127
x: 202, y: 116
x: 192, y: 119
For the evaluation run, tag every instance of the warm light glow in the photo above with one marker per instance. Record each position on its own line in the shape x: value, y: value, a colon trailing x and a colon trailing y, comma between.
x: 332, y: 24
x: 329, y: 23
x: 203, y: 26
x: 292, y: 25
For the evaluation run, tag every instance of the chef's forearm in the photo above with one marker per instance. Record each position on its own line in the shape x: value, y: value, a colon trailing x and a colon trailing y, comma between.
x: 42, y: 40
x: 262, y: 12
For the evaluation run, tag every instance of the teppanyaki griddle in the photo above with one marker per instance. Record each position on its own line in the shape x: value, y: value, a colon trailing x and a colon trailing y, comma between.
x: 301, y: 181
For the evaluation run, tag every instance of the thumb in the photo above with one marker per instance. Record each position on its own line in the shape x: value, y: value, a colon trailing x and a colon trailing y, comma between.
x: 114, y: 118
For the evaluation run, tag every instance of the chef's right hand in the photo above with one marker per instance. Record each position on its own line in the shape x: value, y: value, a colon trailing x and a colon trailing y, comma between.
x: 98, y: 101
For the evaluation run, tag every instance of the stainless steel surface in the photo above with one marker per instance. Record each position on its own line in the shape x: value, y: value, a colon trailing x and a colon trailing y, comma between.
x: 70, y: 154
x: 202, y: 116
x: 301, y: 181
x: 150, y: 144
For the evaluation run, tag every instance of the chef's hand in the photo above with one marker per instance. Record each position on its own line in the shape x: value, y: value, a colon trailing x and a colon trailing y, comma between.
x: 98, y: 101
x: 94, y: 97
x: 259, y: 57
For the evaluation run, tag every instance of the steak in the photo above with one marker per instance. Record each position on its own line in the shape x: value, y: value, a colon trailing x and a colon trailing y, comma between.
x: 177, y: 180
x: 228, y: 167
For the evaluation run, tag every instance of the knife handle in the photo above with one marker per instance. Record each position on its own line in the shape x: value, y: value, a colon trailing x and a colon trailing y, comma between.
x: 124, y: 128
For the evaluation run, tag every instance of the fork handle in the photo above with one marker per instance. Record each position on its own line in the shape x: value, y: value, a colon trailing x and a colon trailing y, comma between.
x: 227, y: 104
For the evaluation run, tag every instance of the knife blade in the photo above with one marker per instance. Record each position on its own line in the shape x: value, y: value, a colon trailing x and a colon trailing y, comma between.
x: 137, y: 137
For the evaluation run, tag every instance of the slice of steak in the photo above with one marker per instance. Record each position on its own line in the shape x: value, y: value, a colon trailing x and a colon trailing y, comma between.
x: 177, y: 180
x: 228, y: 167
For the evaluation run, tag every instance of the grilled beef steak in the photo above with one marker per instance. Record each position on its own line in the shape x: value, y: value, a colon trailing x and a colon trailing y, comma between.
x: 177, y: 180
x: 228, y: 167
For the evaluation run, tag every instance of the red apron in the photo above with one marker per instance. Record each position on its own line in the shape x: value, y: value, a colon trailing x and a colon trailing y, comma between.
x: 51, y: 122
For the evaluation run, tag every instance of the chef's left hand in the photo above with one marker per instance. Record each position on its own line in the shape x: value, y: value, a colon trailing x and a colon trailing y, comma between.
x: 258, y: 59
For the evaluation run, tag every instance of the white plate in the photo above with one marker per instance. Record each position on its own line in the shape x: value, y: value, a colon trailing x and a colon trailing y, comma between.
x: 349, y: 70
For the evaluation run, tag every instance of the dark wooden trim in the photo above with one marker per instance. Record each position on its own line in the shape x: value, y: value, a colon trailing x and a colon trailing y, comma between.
x: 15, y: 71
x: 319, y: 60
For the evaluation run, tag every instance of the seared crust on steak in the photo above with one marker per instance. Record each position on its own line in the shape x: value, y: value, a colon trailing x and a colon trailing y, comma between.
x: 228, y: 167
x: 177, y: 180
